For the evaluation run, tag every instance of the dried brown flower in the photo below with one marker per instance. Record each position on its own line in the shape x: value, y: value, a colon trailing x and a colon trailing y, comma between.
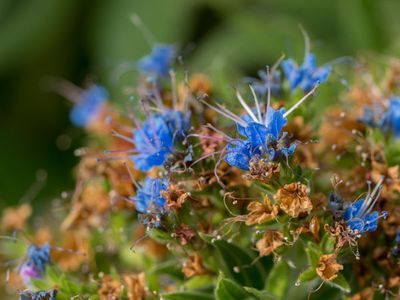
x: 194, y: 266
x: 110, y: 289
x: 261, y: 212
x: 14, y: 218
x: 135, y: 285
x: 175, y: 196
x: 184, y: 234
x: 271, y: 241
x: 327, y: 267
x: 262, y: 169
x: 293, y: 199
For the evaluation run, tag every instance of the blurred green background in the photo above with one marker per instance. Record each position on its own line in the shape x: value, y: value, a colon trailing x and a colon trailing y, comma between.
x: 75, y: 39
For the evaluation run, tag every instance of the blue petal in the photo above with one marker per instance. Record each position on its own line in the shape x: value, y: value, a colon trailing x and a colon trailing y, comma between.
x: 292, y: 72
x: 150, y: 194
x: 276, y: 121
x: 87, y: 108
x: 356, y: 225
x: 371, y: 221
x: 238, y: 160
x: 242, y: 129
x: 352, y: 210
x: 158, y: 62
x: 257, y: 134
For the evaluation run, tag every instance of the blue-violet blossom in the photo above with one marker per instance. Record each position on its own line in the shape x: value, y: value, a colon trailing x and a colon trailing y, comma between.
x: 261, y: 133
x: 359, y: 216
x: 88, y: 105
x: 34, y: 266
x: 158, y: 62
x: 307, y: 75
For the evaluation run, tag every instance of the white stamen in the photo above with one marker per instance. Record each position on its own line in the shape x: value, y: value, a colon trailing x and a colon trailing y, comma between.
x: 148, y: 36
x: 173, y: 85
x: 257, y: 104
x: 137, y: 185
x: 223, y: 108
x: 268, y: 97
x: 122, y: 137
x: 219, y: 131
x: 245, y: 106
x: 371, y: 199
x: 307, y: 44
x: 301, y: 101
x: 224, y: 113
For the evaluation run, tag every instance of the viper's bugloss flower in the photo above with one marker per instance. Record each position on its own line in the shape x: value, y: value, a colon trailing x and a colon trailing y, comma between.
x: 307, y: 75
x: 260, y: 131
x: 158, y: 62
x: 261, y: 139
x: 149, y: 197
x: 29, y: 272
x: 39, y: 295
x: 359, y: 216
x: 260, y: 85
x: 391, y: 118
x: 155, y: 139
x: 38, y: 257
x: 88, y: 106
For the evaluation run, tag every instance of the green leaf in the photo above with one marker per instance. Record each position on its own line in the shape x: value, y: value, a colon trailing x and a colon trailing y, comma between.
x: 239, y: 265
x: 313, y: 254
x: 186, y: 296
x: 341, y: 283
x: 159, y: 235
x: 229, y: 290
x: 278, y: 279
x: 261, y: 295
x: 198, y: 282
x: 308, y: 275
x: 327, y: 244
x: 169, y: 268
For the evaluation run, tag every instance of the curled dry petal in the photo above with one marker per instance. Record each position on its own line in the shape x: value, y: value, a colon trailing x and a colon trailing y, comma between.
x: 293, y: 199
x: 270, y: 242
x: 261, y: 212
x: 327, y: 267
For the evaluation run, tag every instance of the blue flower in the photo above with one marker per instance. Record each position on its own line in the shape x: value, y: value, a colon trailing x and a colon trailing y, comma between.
x: 261, y: 140
x: 360, y: 223
x: 177, y: 122
x: 38, y: 295
x: 158, y: 62
x: 261, y: 85
x: 261, y: 132
x: 154, y: 140
x: 148, y: 196
x: 307, y: 75
x: 359, y: 216
x: 90, y: 102
x: 38, y: 257
x: 391, y: 118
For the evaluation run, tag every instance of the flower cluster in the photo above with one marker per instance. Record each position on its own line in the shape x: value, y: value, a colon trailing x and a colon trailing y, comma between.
x: 38, y: 257
x: 204, y: 207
